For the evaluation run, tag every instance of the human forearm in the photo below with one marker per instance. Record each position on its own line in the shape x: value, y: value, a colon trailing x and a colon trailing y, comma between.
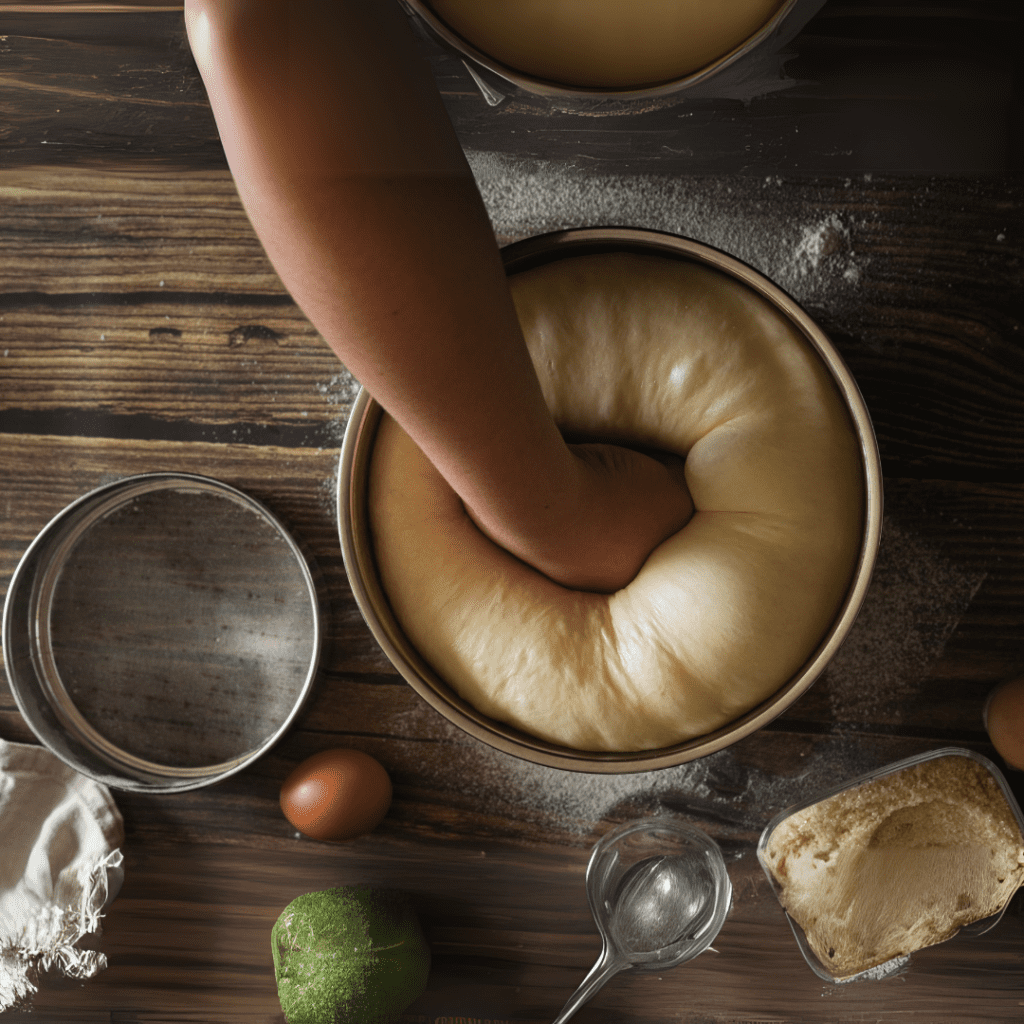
x: 355, y: 183
x: 373, y: 222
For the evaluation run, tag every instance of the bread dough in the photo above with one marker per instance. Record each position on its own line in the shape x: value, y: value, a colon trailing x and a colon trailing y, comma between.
x: 899, y: 863
x: 606, y: 43
x: 677, y: 356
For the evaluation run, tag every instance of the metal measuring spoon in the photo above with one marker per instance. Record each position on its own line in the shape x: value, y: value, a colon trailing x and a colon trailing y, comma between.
x: 659, y: 893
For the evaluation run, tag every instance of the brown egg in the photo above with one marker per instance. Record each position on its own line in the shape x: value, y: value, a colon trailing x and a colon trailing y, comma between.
x: 1004, y: 719
x: 336, y: 794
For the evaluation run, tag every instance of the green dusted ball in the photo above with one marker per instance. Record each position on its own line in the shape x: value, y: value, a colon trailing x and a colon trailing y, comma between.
x: 351, y: 954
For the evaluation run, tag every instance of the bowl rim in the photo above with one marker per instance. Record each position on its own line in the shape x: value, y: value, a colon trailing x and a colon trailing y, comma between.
x: 360, y: 566
x: 538, y: 86
x: 35, y: 683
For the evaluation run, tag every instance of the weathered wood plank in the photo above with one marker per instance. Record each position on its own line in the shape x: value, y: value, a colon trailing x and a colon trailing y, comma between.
x: 919, y: 286
x: 64, y: 7
x: 81, y: 231
x: 869, y: 87
x: 509, y: 927
x: 102, y: 87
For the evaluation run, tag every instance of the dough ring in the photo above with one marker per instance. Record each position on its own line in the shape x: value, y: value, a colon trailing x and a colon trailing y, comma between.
x: 671, y: 354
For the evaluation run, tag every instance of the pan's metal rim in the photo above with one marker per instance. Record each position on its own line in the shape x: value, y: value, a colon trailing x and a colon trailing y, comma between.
x: 373, y: 603
x: 559, y: 90
x: 36, y: 572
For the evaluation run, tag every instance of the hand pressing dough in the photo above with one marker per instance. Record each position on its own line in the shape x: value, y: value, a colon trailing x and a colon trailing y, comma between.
x: 672, y: 355
x: 606, y: 43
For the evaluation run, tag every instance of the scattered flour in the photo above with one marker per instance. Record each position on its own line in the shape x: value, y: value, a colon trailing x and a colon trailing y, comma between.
x: 340, y: 391
x: 719, y: 788
x: 826, y: 246
x: 327, y: 493
x: 886, y: 970
x: 804, y: 246
x: 914, y: 603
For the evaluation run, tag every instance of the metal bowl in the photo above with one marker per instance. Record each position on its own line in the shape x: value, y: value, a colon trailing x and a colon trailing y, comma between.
x: 359, y: 560
x: 476, y: 60
x: 162, y: 632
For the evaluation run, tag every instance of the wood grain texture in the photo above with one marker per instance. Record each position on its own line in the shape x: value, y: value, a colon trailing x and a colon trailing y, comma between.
x: 166, y: 265
x: 142, y: 328
x: 870, y: 86
x: 496, y: 947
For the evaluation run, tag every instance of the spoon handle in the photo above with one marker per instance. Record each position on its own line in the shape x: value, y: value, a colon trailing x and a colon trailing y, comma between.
x: 607, y: 965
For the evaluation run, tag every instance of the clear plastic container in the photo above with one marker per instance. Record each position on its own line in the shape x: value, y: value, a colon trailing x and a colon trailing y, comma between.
x: 896, y: 964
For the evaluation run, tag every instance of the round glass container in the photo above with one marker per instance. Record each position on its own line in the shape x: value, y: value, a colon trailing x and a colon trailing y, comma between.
x: 161, y: 632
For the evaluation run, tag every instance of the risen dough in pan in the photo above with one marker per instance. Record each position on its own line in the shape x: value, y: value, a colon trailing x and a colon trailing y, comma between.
x: 674, y: 355
x: 606, y: 43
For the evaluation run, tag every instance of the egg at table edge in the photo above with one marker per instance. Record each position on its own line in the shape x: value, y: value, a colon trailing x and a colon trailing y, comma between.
x: 1004, y: 719
x: 336, y: 794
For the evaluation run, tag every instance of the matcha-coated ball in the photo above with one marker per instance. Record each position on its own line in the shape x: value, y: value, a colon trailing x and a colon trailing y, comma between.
x: 351, y: 955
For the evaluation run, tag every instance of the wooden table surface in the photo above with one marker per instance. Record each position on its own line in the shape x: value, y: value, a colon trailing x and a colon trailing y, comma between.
x: 875, y: 174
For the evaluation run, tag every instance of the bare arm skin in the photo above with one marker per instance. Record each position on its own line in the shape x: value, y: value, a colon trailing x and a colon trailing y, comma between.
x: 355, y: 183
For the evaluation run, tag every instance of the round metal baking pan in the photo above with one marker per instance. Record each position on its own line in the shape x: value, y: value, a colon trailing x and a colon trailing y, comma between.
x: 358, y: 552
x: 162, y: 632
x: 422, y: 10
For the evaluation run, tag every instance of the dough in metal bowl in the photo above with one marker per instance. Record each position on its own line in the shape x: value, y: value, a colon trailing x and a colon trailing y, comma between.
x: 667, y: 354
x: 606, y: 43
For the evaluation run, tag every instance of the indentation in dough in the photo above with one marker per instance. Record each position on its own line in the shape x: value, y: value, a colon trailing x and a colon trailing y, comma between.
x: 676, y: 356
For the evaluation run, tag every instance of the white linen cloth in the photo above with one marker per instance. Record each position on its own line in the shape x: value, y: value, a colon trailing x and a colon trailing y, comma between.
x: 60, y: 864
